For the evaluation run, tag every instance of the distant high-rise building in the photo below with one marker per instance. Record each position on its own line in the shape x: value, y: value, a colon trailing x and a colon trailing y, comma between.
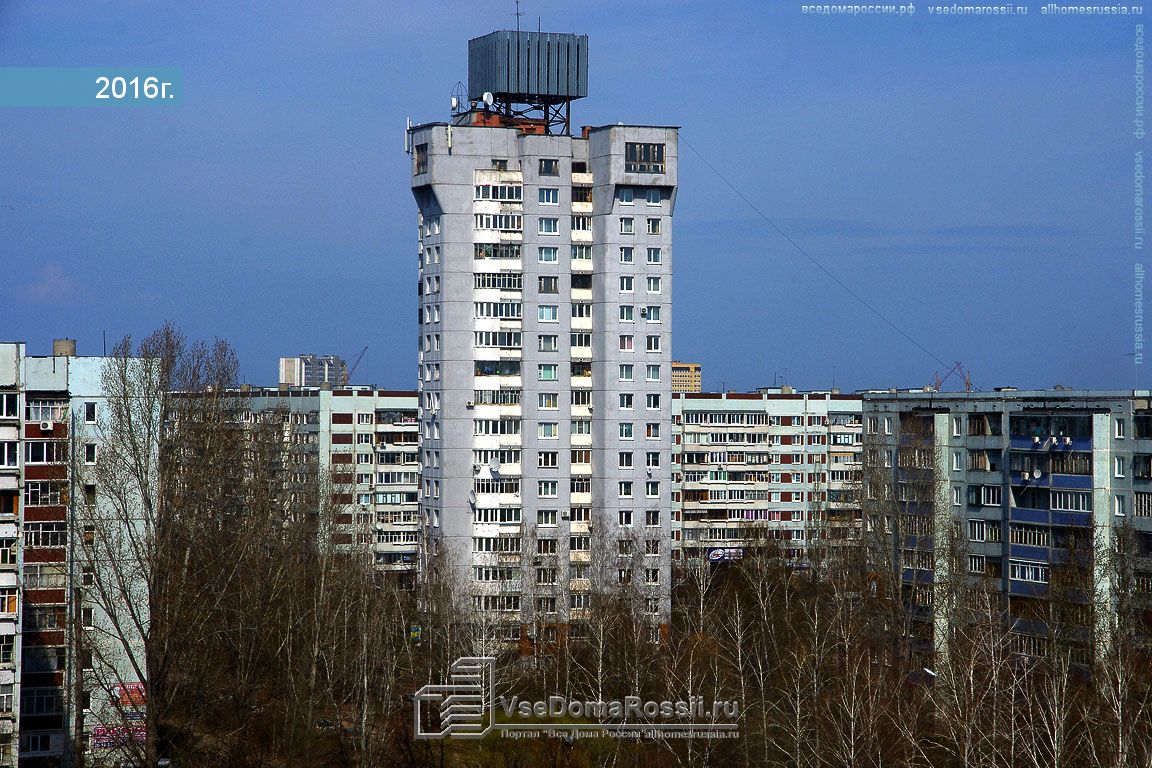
x: 544, y: 337
x: 313, y: 370
x: 686, y: 377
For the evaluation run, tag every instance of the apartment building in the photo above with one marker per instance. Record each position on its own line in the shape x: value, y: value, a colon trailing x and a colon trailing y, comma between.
x: 774, y: 468
x: 313, y: 370
x: 61, y: 680
x: 686, y: 377
x: 1024, y: 483
x: 363, y: 441
x: 544, y: 334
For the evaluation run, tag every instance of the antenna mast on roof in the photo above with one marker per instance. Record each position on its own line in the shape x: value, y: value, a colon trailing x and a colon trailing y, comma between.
x: 518, y: 15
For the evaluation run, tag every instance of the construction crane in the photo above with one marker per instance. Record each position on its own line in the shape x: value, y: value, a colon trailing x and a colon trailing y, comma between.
x: 356, y: 363
x: 938, y: 381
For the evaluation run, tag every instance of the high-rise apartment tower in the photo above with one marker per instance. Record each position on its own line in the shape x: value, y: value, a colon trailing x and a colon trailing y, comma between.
x: 545, y: 336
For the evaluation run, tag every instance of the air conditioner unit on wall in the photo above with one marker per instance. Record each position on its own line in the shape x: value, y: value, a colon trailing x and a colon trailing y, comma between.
x: 47, y: 426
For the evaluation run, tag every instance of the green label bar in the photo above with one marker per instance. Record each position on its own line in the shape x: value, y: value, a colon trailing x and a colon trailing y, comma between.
x: 90, y: 86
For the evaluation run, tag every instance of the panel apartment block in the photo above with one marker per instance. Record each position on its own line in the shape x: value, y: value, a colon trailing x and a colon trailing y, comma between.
x: 1023, y: 478
x: 363, y: 440
x: 545, y: 271
x: 771, y: 469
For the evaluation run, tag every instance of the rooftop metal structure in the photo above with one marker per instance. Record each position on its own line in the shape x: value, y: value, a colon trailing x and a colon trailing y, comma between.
x: 530, y: 77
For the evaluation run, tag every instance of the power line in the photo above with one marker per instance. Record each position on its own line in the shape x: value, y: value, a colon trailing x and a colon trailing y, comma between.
x: 810, y: 257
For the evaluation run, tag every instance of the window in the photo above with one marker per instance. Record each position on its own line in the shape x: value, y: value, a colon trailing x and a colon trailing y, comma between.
x: 626, y: 313
x: 643, y: 157
x: 625, y: 343
x: 1119, y: 429
x: 549, y: 284
x: 8, y: 405
x: 581, y: 253
x: 547, y: 372
x: 420, y: 159
x: 1026, y: 570
x: 653, y: 226
x: 653, y: 255
x: 976, y: 564
x: 546, y: 517
x: 581, y: 426
x: 548, y: 430
x: 627, y: 225
x: 626, y: 400
x: 626, y: 372
x: 9, y: 457
x: 548, y: 401
x: 653, y: 285
x: 652, y: 402
x: 546, y: 575
x: 546, y: 489
x: 653, y: 344
x: 652, y: 195
x: 546, y: 546
x: 89, y: 413
x: 651, y: 313
x: 580, y: 339
x: 549, y: 166
x: 549, y: 196
x: 580, y: 194
x: 580, y: 543
x: 625, y: 430
x: 8, y: 600
x: 1119, y: 465
x: 581, y: 309
x: 581, y: 223
x: 90, y: 453
x: 625, y: 518
x: 625, y: 492
x: 651, y: 575
x: 548, y: 255
x: 624, y: 460
x: 548, y: 459
x: 547, y: 226
x: 502, y: 222
x: 45, y: 452
x: 505, y: 193
x: 652, y: 518
x: 652, y: 459
x: 626, y: 284
x: 652, y: 372
x: 652, y: 489
x: 626, y: 255
x: 547, y: 343
x: 547, y: 313
x: 581, y: 456
x: 1120, y: 505
x: 627, y: 195
x: 652, y: 431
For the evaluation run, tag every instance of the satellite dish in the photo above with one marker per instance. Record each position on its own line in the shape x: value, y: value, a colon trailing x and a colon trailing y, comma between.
x: 494, y: 464
x: 1036, y: 474
x: 488, y: 98
x: 455, y: 103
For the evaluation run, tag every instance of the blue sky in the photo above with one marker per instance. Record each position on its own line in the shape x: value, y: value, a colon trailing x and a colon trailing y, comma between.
x: 971, y: 177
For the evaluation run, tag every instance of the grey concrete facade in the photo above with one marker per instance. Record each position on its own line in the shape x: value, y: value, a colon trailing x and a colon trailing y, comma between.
x: 578, y: 308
